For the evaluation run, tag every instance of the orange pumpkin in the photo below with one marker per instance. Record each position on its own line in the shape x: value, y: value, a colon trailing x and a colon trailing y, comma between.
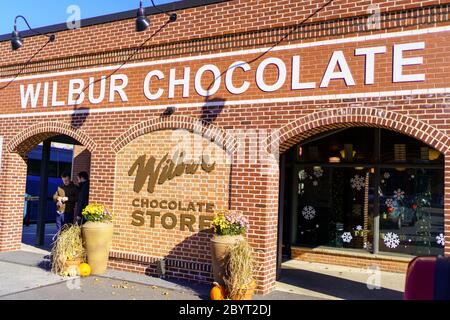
x: 217, y: 292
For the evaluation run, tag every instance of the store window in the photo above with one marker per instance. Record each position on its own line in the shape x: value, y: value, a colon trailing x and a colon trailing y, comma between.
x: 411, y: 203
x: 331, y: 200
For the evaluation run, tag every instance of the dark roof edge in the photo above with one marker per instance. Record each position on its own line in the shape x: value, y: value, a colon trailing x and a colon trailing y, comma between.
x: 174, y: 6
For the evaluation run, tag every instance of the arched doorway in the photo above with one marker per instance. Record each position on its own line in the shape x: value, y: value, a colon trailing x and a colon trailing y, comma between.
x: 332, y: 199
x: 46, y: 164
x: 33, y: 164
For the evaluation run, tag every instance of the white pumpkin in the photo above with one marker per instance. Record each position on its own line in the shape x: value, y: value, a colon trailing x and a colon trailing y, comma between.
x: 72, y: 271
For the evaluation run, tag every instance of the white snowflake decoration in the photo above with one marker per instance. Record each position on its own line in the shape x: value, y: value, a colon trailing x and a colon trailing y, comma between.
x: 357, y: 182
x: 302, y: 175
x: 368, y: 246
x: 399, y: 194
x: 440, y: 239
x: 315, y: 183
x: 386, y: 175
x: 308, y: 213
x: 318, y: 172
x: 347, y: 237
x: 358, y: 228
x: 389, y: 202
x: 391, y: 240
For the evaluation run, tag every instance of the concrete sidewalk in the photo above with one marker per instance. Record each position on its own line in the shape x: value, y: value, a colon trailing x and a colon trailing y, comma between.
x: 340, y: 283
x: 25, y: 275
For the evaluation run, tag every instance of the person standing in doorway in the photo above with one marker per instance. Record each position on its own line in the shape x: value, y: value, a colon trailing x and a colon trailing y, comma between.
x: 83, y: 196
x: 65, y: 197
x: 26, y: 212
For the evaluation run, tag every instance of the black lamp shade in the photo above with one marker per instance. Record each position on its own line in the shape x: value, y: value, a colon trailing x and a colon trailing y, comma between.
x: 16, y: 40
x: 142, y: 22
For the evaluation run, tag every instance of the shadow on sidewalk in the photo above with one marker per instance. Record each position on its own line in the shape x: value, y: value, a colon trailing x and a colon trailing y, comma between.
x: 337, y: 287
x: 27, y: 258
x: 200, y: 289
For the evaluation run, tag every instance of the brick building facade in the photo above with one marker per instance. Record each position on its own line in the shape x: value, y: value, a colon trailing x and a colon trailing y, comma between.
x: 222, y: 70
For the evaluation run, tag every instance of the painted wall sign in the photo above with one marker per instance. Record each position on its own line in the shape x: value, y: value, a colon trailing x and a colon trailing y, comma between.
x: 359, y: 65
x: 269, y: 74
x: 166, y: 169
x: 155, y: 172
x: 163, y: 212
x: 168, y: 184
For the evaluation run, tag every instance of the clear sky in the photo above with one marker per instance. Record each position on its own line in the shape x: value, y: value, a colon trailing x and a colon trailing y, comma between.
x: 47, y: 12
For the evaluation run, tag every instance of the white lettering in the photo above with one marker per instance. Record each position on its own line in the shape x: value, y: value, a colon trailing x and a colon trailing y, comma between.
x: 337, y: 59
x: 370, y: 61
x: 296, y: 71
x: 229, y: 78
x: 260, y: 82
x: 214, y: 86
x: 32, y: 94
x: 78, y: 91
x: 153, y: 96
x: 45, y: 98
x: 55, y: 102
x: 179, y: 82
x: 270, y: 75
x: 102, y: 92
x: 119, y: 88
x: 399, y: 62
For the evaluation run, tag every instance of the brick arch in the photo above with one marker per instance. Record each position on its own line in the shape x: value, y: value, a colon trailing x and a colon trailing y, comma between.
x: 35, y: 134
x: 324, y: 120
x: 216, y: 134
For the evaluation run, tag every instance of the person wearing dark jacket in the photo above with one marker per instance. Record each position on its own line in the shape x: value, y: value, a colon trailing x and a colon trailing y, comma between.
x: 65, y: 197
x: 83, y: 196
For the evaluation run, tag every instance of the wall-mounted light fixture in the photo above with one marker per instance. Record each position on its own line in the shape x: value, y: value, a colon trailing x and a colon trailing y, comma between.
x: 433, y: 154
x: 334, y: 160
x: 143, y: 22
x: 17, y: 40
x: 348, y: 153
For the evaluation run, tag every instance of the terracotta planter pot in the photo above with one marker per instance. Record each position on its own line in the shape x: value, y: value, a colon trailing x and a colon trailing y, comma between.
x: 97, y: 238
x: 245, y: 293
x: 219, y: 248
x: 72, y: 263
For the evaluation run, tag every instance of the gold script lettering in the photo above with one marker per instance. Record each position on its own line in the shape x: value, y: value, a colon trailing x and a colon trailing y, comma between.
x: 165, y: 170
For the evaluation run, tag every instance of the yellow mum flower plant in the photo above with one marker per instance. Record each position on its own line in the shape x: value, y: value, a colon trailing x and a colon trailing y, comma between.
x: 96, y: 213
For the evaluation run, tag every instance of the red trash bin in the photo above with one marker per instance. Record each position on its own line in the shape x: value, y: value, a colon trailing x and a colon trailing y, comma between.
x: 428, y: 278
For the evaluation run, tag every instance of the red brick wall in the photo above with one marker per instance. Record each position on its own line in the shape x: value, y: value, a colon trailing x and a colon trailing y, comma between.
x: 253, y: 186
x: 171, y: 227
x: 314, y: 62
x: 201, y: 22
x: 338, y: 258
x: 81, y: 160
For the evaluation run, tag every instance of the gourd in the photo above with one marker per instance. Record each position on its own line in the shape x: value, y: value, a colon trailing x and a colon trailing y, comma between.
x: 217, y: 292
x: 85, y: 270
x: 72, y: 271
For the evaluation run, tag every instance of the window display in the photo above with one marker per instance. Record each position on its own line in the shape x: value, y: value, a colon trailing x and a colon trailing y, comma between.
x: 335, y: 202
